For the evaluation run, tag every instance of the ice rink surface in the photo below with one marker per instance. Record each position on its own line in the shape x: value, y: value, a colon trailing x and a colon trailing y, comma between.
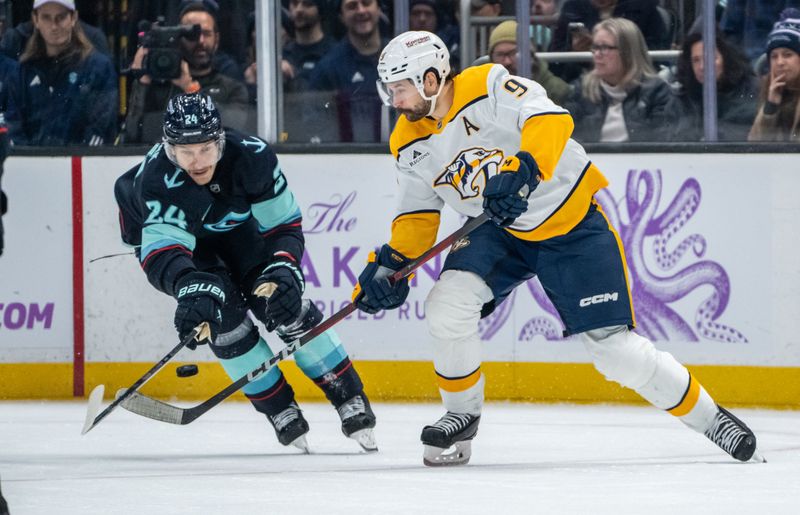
x: 527, y: 458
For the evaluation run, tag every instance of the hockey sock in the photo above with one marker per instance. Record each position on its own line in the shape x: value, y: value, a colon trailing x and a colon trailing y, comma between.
x: 463, y: 394
x: 273, y: 400
x: 341, y: 383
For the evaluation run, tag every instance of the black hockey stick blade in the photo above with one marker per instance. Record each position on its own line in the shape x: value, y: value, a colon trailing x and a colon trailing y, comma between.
x: 96, y: 397
x: 148, y: 407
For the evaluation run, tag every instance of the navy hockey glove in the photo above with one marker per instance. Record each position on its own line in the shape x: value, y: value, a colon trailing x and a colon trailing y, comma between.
x: 374, y: 292
x: 284, y: 302
x: 310, y: 316
x: 201, y: 297
x: 504, y: 198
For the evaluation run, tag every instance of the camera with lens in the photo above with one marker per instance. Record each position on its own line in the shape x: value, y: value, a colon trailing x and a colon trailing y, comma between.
x: 164, y: 53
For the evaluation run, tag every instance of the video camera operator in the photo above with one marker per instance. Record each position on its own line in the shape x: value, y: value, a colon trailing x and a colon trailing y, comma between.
x: 196, y: 72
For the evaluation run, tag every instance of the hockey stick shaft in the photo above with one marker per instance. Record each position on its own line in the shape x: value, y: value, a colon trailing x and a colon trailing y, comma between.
x: 157, y: 410
x: 92, y: 421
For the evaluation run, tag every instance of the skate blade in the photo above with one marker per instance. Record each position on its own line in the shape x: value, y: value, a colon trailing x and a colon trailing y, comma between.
x: 366, y: 439
x: 438, y: 457
x: 301, y: 443
x: 757, y: 457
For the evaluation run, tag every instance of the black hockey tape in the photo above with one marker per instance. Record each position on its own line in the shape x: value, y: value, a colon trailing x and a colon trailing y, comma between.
x: 186, y: 370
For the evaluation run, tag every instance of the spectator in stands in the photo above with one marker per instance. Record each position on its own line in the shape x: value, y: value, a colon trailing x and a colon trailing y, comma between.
x: 149, y: 98
x: 349, y: 69
x: 503, y: 50
x: 644, y: 13
x: 736, y: 92
x: 9, y: 79
x: 222, y: 61
x: 622, y: 98
x: 748, y: 22
x: 423, y: 15
x: 310, y: 44
x: 542, y: 34
x: 13, y: 42
x: 451, y: 33
x: 67, y: 90
x: 487, y: 8
x: 778, y: 117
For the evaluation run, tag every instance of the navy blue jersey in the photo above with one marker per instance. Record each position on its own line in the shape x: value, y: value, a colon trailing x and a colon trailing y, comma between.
x: 165, y: 215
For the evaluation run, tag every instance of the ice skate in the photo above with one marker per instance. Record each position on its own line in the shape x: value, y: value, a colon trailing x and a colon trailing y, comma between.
x: 449, y: 440
x: 734, y: 437
x: 358, y: 422
x: 291, y: 427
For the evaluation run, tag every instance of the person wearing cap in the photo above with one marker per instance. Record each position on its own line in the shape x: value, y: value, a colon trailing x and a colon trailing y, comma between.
x: 503, y: 50
x: 67, y: 90
x: 14, y: 39
x: 198, y: 73
x: 778, y: 117
x: 423, y: 15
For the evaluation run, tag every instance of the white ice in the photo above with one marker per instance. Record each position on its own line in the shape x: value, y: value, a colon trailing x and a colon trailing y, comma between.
x: 527, y: 458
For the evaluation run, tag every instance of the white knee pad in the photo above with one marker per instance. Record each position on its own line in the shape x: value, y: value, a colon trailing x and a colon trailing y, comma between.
x: 453, y: 307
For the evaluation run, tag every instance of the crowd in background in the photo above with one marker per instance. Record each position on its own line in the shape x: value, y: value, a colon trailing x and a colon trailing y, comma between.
x: 76, y: 74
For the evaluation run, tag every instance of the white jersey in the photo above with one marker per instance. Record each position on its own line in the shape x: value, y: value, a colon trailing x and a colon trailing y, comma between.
x: 494, y: 114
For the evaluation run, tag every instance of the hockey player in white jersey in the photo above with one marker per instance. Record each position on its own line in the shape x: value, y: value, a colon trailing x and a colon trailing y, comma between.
x: 485, y: 141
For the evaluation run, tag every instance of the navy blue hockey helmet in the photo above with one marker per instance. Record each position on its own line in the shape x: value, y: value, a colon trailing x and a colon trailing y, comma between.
x: 192, y: 118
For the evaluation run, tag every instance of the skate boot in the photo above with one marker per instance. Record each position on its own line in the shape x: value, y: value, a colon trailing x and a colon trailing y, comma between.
x: 452, y: 430
x: 733, y: 437
x: 291, y: 427
x: 358, y: 421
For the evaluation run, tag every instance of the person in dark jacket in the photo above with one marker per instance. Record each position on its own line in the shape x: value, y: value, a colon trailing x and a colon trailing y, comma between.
x: 622, y: 98
x: 349, y: 72
x: 14, y: 40
x: 149, y: 98
x: 737, y: 90
x: 9, y: 78
x: 67, y: 90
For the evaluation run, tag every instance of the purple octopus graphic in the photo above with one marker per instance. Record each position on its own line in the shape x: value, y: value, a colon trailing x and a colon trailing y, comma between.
x: 652, y: 292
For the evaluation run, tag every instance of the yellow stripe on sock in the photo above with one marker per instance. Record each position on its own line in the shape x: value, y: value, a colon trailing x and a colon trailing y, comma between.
x: 459, y: 384
x: 689, y: 400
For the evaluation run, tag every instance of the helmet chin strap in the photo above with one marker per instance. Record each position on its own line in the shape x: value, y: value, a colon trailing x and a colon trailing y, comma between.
x: 433, y: 98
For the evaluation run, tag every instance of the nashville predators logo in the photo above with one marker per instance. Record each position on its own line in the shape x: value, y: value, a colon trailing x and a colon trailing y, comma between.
x: 470, y: 170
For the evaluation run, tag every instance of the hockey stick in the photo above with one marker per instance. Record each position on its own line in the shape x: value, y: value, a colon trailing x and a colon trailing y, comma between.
x: 96, y: 397
x: 151, y: 408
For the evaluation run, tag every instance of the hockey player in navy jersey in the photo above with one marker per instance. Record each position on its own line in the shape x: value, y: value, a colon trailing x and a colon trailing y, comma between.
x: 215, y: 225
x: 485, y: 141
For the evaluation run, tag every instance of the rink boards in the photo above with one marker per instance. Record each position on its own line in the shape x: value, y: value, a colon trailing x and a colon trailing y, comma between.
x: 711, y: 244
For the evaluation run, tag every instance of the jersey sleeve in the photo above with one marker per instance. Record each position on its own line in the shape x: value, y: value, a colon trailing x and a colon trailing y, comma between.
x: 419, y: 209
x: 544, y: 126
x: 272, y: 202
x: 171, y: 210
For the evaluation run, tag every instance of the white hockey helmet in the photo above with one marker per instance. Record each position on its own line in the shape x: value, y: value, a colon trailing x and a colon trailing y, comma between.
x: 409, y: 56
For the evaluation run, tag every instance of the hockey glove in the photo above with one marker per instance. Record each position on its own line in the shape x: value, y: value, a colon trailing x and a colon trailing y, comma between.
x: 310, y: 316
x: 285, y: 302
x: 374, y: 292
x: 506, y: 194
x: 201, y: 297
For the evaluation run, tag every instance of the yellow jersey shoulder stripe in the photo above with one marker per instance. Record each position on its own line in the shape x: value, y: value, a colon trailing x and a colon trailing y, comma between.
x: 471, y: 87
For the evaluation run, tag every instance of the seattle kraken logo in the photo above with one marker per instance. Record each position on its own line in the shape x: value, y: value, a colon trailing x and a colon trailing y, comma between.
x: 465, y: 170
x: 228, y: 222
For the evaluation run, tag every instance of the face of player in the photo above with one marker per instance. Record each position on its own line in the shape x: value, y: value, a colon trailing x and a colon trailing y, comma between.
x: 199, y: 160
x: 406, y: 100
x: 360, y: 16
x: 785, y: 62
x: 698, y: 67
x: 199, y: 53
x: 55, y: 23
x: 606, y: 56
x: 505, y: 53
x: 304, y: 14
